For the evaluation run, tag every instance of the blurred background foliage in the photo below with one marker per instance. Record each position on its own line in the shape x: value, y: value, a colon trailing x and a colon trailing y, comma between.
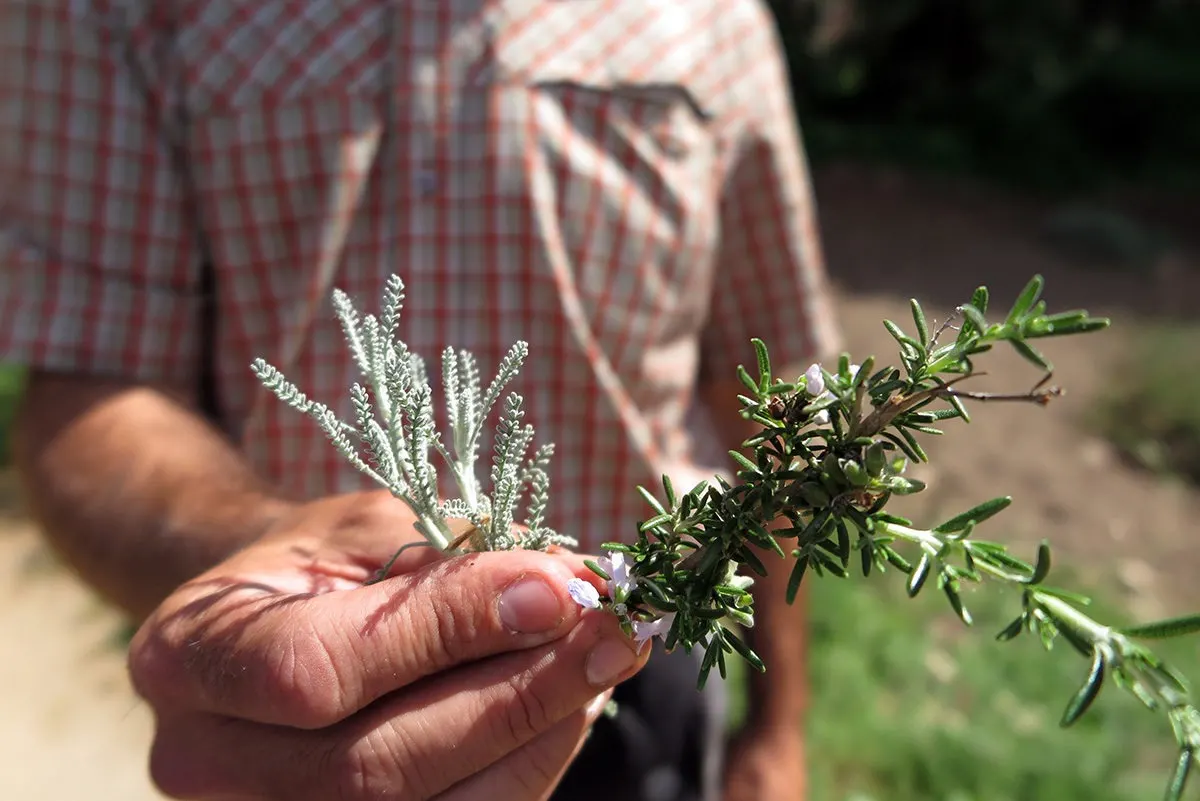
x: 1049, y: 95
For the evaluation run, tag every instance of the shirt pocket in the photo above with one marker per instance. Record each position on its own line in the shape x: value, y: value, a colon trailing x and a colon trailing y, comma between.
x: 625, y: 155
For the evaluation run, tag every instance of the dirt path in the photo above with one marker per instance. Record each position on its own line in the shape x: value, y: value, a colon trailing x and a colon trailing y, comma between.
x: 70, y: 728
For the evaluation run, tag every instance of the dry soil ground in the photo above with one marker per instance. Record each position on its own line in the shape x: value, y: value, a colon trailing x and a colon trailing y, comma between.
x: 70, y: 729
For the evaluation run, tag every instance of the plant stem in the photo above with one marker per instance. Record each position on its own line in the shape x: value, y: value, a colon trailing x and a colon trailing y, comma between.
x: 1083, y: 625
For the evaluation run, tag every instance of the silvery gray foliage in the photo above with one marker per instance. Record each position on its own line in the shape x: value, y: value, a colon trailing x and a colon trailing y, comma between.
x: 394, y: 431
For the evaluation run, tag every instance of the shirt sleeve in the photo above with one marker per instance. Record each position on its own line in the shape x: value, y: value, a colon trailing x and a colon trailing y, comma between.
x: 770, y: 280
x: 98, y: 269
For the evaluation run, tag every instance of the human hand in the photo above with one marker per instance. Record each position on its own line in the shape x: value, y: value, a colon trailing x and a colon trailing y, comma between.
x: 278, y: 675
x: 766, y: 763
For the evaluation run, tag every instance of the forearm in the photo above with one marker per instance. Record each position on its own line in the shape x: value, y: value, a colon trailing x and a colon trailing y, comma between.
x: 135, y: 490
x: 778, y: 698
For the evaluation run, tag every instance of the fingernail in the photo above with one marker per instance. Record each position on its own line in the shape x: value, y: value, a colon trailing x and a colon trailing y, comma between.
x: 529, y: 606
x: 608, y: 661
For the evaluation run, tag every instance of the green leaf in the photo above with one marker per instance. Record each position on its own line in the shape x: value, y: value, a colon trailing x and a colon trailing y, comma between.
x: 669, y: 490
x: 1083, y: 699
x: 975, y: 317
x: 764, y: 364
x: 855, y: 473
x: 745, y: 378
x: 813, y: 494
x: 956, y: 603
x: 918, y: 315
x: 1163, y: 629
x: 1012, y: 629
x: 917, y: 579
x: 656, y: 521
x: 762, y: 537
x: 656, y: 595
x: 914, y: 445
x: 904, y: 446
x: 650, y: 499
x: 864, y: 372
x: 1029, y: 296
x: 1066, y: 595
x: 979, y: 299
x: 595, y: 568
x: 876, y: 459
x: 745, y: 652
x: 901, y: 485
x: 830, y: 563
x: 745, y: 463
x: 959, y: 408
x: 1064, y: 323
x: 710, y: 658
x: 1031, y: 354
x: 894, y: 558
x: 711, y: 554
x: 900, y: 336
x: 797, y: 576
x: 747, y: 557
x: 1183, y: 767
x: 1041, y: 568
x: 888, y: 517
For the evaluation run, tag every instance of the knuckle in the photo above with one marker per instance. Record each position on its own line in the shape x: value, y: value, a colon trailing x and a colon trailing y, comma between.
x: 284, y: 675
x: 537, y: 771
x: 149, y: 669
x: 180, y: 763
x: 444, y: 626
x: 373, y: 767
x: 300, y: 681
x: 527, y: 715
x: 168, y: 767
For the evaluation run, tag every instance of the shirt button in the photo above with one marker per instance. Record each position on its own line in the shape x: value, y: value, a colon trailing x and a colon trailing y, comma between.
x: 673, y: 145
x: 427, y: 181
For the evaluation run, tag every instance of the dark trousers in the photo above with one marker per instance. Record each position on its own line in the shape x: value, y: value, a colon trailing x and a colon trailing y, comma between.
x: 665, y: 744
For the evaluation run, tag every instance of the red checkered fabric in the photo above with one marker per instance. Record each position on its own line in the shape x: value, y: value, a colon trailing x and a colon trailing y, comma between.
x: 618, y: 182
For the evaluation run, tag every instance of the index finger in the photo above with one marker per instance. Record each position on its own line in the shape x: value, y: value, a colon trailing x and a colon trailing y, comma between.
x: 232, y: 647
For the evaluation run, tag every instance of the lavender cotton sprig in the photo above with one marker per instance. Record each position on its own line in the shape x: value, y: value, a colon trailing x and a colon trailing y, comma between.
x: 815, y: 481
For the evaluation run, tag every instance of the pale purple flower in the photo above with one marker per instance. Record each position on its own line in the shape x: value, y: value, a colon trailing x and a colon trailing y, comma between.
x: 645, y: 630
x: 620, y: 583
x: 814, y: 380
x: 584, y: 593
x: 821, y: 418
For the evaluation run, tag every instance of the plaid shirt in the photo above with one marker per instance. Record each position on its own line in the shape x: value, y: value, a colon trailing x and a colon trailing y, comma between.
x: 618, y: 182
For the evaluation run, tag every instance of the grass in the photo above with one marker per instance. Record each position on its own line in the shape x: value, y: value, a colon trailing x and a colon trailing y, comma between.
x: 909, y: 705
x: 12, y: 384
x: 1151, y: 413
